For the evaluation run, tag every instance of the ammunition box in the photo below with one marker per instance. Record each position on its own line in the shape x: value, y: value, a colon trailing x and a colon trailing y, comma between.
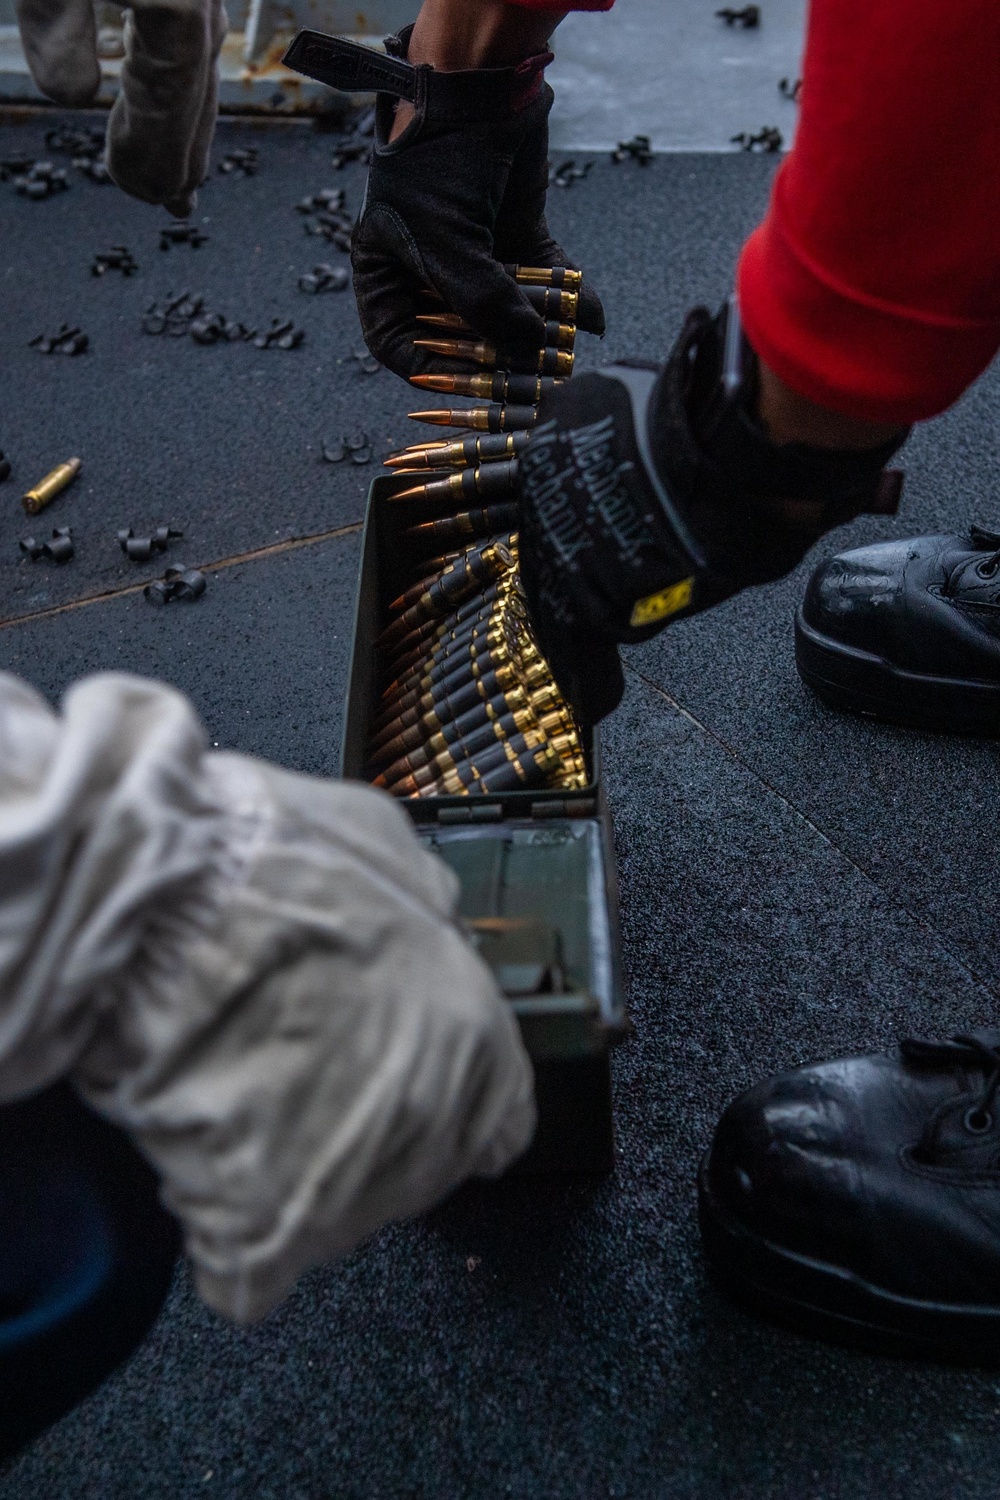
x: 537, y: 875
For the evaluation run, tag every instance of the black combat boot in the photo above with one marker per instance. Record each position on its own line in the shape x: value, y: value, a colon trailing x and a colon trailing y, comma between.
x: 859, y: 1200
x: 908, y: 631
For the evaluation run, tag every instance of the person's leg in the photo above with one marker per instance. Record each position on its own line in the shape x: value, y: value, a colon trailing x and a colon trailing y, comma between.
x: 86, y: 1258
x: 872, y: 294
x: 872, y: 288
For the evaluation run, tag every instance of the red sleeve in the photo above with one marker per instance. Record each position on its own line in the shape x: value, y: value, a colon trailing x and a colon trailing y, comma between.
x: 873, y: 285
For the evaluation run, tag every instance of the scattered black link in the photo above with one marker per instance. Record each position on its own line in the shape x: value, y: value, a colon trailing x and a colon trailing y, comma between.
x: 95, y: 170
x: 58, y: 549
x: 790, y: 90
x: 328, y: 217
x: 367, y: 363
x: 355, y: 143
x: 187, y: 314
x: 142, y: 548
x: 569, y: 172
x: 325, y: 278
x: 73, y: 140
x: 748, y: 17
x: 282, y: 334
x: 14, y: 166
x: 41, y: 180
x: 182, y: 232
x: 768, y: 138
x: 4, y: 466
x: 118, y: 258
x: 639, y: 148
x: 69, y: 340
x: 177, y: 584
x: 357, y: 447
x: 243, y: 160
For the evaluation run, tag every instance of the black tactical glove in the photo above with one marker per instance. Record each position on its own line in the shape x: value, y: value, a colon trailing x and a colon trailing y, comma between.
x: 459, y: 193
x: 650, y: 494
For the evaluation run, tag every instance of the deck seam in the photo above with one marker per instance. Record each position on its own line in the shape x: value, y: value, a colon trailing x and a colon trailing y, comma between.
x: 273, y: 549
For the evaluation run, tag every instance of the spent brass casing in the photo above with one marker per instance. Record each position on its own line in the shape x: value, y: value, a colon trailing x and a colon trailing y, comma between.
x: 562, y: 277
x: 487, y: 520
x: 526, y: 390
x: 493, y: 481
x: 498, y: 417
x: 460, y: 454
x: 543, y: 362
x: 45, y: 491
x: 556, y: 335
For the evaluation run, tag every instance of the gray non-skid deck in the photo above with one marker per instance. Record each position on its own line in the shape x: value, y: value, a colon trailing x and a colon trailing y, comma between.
x: 794, y: 884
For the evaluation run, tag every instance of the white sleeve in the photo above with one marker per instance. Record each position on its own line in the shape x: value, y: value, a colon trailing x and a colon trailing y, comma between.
x: 257, y: 974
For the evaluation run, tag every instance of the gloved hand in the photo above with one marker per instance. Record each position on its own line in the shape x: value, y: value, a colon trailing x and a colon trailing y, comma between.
x: 258, y: 975
x: 652, y: 494
x: 460, y: 192
x: 162, y: 122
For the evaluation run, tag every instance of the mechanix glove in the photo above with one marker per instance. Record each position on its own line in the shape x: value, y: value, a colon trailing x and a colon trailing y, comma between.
x: 161, y: 125
x: 650, y: 494
x: 460, y: 192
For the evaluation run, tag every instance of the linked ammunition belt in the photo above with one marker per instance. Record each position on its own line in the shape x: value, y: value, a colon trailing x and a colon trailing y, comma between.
x: 467, y: 703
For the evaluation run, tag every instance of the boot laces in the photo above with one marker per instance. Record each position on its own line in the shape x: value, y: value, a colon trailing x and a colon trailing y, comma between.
x: 964, y: 1050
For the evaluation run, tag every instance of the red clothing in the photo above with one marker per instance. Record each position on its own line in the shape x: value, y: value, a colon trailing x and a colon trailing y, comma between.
x: 873, y: 285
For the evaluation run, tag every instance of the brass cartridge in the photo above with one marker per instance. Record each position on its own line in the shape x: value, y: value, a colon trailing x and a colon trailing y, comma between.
x: 552, y: 302
x: 562, y: 277
x: 45, y: 491
x: 556, y: 335
x: 485, y: 482
x: 500, y: 386
x: 544, y: 362
x: 498, y: 417
x: 459, y: 454
x: 487, y: 520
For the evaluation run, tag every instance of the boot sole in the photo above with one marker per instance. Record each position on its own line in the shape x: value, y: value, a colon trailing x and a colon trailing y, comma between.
x: 862, y: 683
x: 824, y: 1301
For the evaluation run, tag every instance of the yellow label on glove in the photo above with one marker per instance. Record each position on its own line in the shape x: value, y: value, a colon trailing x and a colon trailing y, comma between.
x: 658, y: 606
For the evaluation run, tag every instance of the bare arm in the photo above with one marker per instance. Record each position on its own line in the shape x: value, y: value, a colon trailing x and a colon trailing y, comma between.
x: 455, y: 34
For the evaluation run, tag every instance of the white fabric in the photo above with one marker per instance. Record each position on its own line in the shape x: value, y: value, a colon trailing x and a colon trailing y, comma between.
x: 162, y: 122
x: 257, y: 974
